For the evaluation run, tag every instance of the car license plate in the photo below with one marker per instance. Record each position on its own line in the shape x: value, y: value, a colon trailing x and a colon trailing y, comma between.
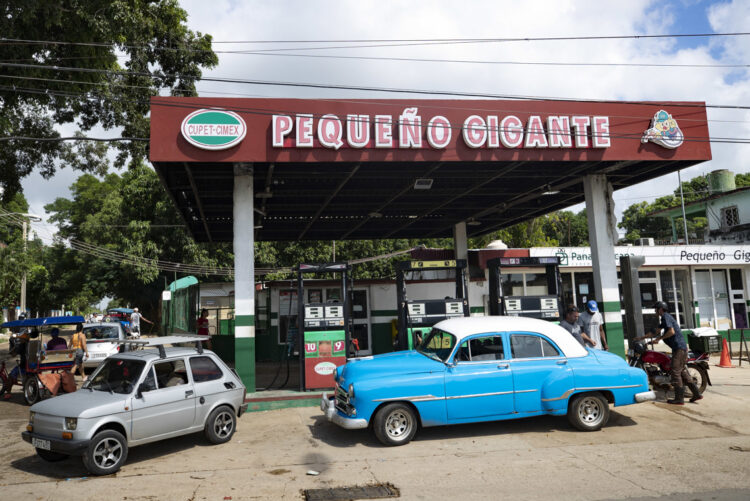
x: 40, y: 444
x: 99, y: 355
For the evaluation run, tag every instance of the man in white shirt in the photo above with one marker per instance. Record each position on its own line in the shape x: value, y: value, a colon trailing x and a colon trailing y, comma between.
x: 135, y: 323
x: 592, y: 323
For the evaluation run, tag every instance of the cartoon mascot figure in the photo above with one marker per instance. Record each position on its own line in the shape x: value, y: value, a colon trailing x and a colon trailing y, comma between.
x: 664, y: 131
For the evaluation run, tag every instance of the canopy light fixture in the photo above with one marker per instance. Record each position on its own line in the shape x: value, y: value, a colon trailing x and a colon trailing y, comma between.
x: 473, y: 222
x: 264, y: 194
x: 374, y: 215
x: 547, y: 190
x: 423, y: 184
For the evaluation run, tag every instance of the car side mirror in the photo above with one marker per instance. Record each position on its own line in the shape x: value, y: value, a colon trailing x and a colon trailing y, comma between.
x: 142, y: 388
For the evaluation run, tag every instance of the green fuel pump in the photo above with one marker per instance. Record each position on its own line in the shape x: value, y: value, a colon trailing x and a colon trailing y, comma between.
x: 323, y: 330
x: 417, y: 316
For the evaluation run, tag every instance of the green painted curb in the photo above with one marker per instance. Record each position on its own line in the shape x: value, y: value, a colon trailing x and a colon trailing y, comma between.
x: 282, y: 404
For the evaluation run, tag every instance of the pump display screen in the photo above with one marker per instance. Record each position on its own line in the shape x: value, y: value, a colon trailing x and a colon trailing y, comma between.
x: 324, y: 315
x: 431, y: 311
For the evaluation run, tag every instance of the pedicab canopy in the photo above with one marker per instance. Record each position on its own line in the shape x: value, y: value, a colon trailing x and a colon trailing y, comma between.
x: 362, y: 169
x: 41, y: 321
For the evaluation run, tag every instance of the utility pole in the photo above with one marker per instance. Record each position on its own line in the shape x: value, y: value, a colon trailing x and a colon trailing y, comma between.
x: 23, y: 278
x: 682, y: 201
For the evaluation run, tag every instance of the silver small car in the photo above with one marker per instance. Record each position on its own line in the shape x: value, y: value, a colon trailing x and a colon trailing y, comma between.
x: 138, y: 397
x: 102, y: 340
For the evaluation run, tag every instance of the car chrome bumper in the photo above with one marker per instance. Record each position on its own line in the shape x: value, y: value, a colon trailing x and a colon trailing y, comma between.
x: 72, y: 447
x: 329, y: 409
x: 646, y: 396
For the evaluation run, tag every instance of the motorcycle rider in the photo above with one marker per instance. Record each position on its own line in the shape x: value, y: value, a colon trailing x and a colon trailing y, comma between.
x: 672, y: 336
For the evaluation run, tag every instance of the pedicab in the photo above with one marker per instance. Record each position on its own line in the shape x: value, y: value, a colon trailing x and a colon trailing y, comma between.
x: 40, y: 372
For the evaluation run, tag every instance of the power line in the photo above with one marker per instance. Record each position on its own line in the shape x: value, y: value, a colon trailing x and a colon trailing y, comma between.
x: 352, y: 87
x: 728, y: 140
x: 429, y: 60
x: 383, y: 42
x: 330, y: 100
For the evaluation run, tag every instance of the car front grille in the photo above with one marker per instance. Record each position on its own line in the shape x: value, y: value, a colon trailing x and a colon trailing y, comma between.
x: 342, y: 401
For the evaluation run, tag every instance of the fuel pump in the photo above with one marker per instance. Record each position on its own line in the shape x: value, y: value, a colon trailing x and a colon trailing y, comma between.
x: 417, y: 316
x: 323, y: 330
x: 546, y: 307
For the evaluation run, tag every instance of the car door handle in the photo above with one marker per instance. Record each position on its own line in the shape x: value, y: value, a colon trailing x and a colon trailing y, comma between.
x: 188, y: 393
x: 562, y: 362
x: 503, y: 366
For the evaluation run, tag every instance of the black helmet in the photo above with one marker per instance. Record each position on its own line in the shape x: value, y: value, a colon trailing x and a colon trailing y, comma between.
x: 660, y: 305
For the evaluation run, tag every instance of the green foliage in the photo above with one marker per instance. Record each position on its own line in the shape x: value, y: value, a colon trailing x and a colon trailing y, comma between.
x: 135, y: 49
x: 638, y: 223
x: 567, y: 228
x: 13, y: 260
x: 130, y: 214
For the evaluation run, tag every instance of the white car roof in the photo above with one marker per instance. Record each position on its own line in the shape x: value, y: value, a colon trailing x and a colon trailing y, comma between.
x: 468, y: 326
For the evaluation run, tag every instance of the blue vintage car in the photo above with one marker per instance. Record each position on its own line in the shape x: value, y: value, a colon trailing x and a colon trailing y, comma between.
x: 483, y: 369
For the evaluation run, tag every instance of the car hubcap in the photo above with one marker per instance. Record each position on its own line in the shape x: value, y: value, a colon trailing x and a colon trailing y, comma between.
x: 590, y: 411
x: 107, y: 453
x: 398, y: 424
x: 223, y: 425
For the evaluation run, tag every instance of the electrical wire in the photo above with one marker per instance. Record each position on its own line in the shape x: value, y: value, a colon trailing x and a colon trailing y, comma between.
x: 329, y: 100
x: 352, y: 87
x: 379, y: 43
x: 727, y: 140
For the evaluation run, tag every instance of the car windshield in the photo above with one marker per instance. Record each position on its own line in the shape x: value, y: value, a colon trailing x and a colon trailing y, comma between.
x: 101, y: 332
x: 116, y: 376
x: 437, y: 345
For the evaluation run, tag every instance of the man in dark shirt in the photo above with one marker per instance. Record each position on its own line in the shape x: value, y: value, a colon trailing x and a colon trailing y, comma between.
x: 570, y: 323
x: 672, y: 336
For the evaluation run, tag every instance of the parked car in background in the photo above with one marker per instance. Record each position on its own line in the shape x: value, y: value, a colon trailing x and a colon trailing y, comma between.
x: 483, y: 369
x: 138, y: 397
x: 102, y: 340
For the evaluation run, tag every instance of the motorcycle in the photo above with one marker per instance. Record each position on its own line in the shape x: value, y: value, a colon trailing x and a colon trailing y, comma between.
x: 658, y: 364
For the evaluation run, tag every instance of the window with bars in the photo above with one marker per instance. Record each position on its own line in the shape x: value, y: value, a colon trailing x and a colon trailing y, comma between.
x: 730, y: 217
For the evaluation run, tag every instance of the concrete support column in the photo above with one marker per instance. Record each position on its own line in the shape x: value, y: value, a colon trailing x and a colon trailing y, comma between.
x: 600, y: 210
x: 460, y: 241
x: 244, y: 276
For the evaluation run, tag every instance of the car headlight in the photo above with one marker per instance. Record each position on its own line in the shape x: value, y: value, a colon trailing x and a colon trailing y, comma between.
x: 31, y: 417
x: 71, y: 423
x: 351, y: 391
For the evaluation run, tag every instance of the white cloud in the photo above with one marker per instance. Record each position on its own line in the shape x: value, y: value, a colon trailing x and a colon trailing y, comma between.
x: 381, y: 19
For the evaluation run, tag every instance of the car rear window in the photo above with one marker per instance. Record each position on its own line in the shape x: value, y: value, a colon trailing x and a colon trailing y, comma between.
x: 204, y: 369
x: 101, y: 332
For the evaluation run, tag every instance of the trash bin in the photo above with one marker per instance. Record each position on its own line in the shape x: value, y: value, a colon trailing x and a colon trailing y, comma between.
x: 705, y: 340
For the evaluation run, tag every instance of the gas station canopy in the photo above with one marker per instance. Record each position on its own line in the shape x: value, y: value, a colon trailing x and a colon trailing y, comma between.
x: 370, y: 169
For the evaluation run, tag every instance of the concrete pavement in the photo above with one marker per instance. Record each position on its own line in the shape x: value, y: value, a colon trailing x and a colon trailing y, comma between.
x: 699, y: 451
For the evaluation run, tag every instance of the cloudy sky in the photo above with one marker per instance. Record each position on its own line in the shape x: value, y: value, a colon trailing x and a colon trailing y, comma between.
x: 720, y: 80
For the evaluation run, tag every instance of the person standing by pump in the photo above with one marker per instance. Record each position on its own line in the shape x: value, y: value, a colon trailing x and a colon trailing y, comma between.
x: 672, y: 337
x: 570, y: 323
x: 592, y: 324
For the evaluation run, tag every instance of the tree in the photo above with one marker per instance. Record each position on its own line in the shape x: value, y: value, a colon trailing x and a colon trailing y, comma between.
x: 13, y: 260
x: 130, y: 214
x: 128, y: 51
x: 567, y: 228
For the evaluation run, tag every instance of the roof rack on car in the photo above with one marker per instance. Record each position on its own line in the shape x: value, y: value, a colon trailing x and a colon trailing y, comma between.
x: 160, y: 342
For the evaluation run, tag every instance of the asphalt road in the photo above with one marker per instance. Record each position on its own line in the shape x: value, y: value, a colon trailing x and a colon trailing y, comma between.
x: 696, y: 452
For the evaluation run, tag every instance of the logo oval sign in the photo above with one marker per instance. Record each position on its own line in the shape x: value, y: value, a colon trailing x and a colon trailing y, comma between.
x: 325, y: 368
x: 213, y: 129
